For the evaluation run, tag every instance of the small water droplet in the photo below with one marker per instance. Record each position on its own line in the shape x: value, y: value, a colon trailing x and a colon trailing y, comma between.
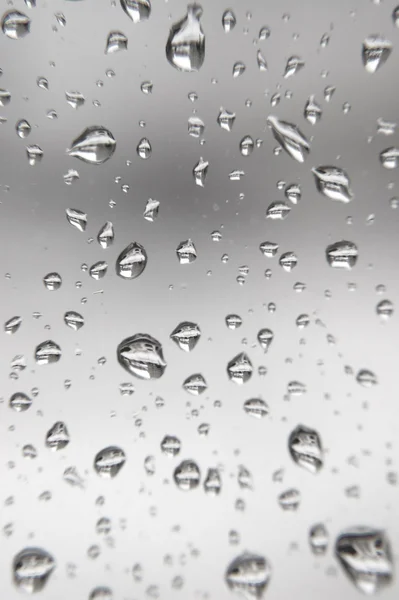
x: 5, y: 97
x: 246, y: 145
x: 395, y: 16
x: 151, y: 210
x: 293, y: 66
x: 342, y: 255
x: 116, y: 41
x: 77, y: 218
x: 142, y: 356
x: 305, y: 448
x: 196, y: 127
x: 144, y: 149
x: 106, y: 235
x: 334, y: 183
x: 52, y: 281
x: 32, y: 568
x: 12, y: 325
x: 185, y: 47
x: 312, y: 112
x: 290, y: 499
x: 42, y: 83
x: 238, y: 69
x: 57, y: 437
x: 74, y: 320
x: 260, y: 59
x: 248, y: 575
x: 170, y: 445
x: 233, y: 321
x: 109, y: 461
x: 15, y: 24
x: 375, y: 52
x: 200, y: 172
x: 95, y: 145
x: 240, y: 369
x: 137, y: 10
x: 213, y: 482
x: 23, y: 128
x: 385, y: 309
x: 226, y: 119
x: 186, y: 335
x: 195, y: 384
x: 389, y: 158
x: 293, y: 193
x: 34, y: 154
x: 288, y: 260
x: 132, y: 261
x: 186, y: 252
x: 290, y: 137
x: 187, y: 475
x: 146, y: 87
x: 98, y: 270
x: 47, y: 353
x: 229, y: 20
x: 255, y: 407
x: 366, y: 378
x: 318, y: 539
x: 265, y: 337
x: 75, y: 99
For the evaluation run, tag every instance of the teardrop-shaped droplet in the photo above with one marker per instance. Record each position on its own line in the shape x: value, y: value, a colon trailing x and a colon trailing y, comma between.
x: 74, y: 320
x: 185, y: 48
x: 229, y: 20
x: 144, y: 149
x: 365, y: 555
x: 260, y: 59
x: 106, y: 235
x: 132, y: 261
x: 109, y: 461
x: 170, y: 445
x: 375, y: 52
x: 12, y: 325
x: 226, y: 119
x: 15, y: 24
x: 195, y: 384
x: 255, y: 407
x: 240, y: 369
x: 32, y: 568
x: 137, y: 10
x: 294, y: 64
x: 187, y: 475
x: 75, y: 99
x: 213, y: 482
x: 246, y: 145
x: 47, y: 353
x: 116, y: 41
x: 77, y: 218
x: 186, y: 335
x: 35, y: 154
x: 5, y: 97
x: 342, y: 255
x: 264, y: 33
x: 290, y: 137
x: 20, y: 402
x: 248, y: 575
x: 312, y: 112
x: 151, y: 210
x: 318, y: 539
x: 186, y: 252
x: 196, y: 127
x: 98, y: 270
x: 200, y: 172
x: 265, y: 338
x: 278, y: 211
x: 334, y: 183
x: 305, y: 448
x: 52, y: 281
x: 142, y: 356
x: 57, y: 437
x: 23, y: 128
x: 95, y: 145
x: 238, y: 69
x: 389, y: 158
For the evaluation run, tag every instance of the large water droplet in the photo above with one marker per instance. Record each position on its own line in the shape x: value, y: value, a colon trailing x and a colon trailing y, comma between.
x: 31, y: 569
x: 186, y: 252
x: 293, y: 66
x: 200, y: 172
x: 305, y: 448
x: 366, y: 378
x: 375, y: 52
x: 12, y: 325
x: 47, y: 353
x: 75, y: 99
x: 312, y: 112
x: 57, y: 437
x: 389, y: 158
x: 213, y: 482
x: 15, y: 24
x: 170, y: 445
x: 195, y: 384
x: 334, y: 183
x: 52, y: 281
x: 239, y: 369
x: 342, y: 255
x: 255, y: 407
x: 185, y: 48
x: 365, y: 555
x: 318, y: 539
x: 132, y: 261
x: 106, y: 235
x: 144, y: 149
x: 187, y: 475
x: 142, y: 356
x: 74, y: 320
x: 186, y: 335
x: 77, y: 218
x: 23, y: 128
x: 116, y: 41
x: 98, y: 270
x: 248, y: 575
x: 229, y: 20
x: 109, y: 461
x: 95, y: 145
x: 290, y: 137
x: 226, y: 119
x: 20, y: 402
x: 137, y: 10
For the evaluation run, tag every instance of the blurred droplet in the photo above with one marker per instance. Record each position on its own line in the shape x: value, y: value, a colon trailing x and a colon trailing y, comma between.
x: 12, y: 325
x: 229, y: 20
x: 32, y: 568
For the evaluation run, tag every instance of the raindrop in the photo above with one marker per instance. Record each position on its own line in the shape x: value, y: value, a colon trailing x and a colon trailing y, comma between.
x: 106, y: 235
x: 278, y: 210
x: 101, y: 593
x: 42, y: 83
x: 146, y: 87
x: 95, y: 145
x: 5, y: 97
x: 233, y: 321
x: 142, y: 356
x: 57, y: 437
x: 185, y: 48
x: 15, y: 24
x: 229, y: 20
x: 389, y: 158
x: 187, y: 475
x: 170, y: 445
x: 268, y: 249
x: 75, y: 99
x: 20, y: 402
x: 71, y: 176
x: 23, y: 128
x: 244, y: 478
x: 395, y: 16
x: 213, y: 482
x: 74, y: 320
x: 236, y: 175
x: 35, y: 154
x: 116, y: 41
x: 302, y: 321
x: 264, y: 33
x: 290, y: 138
x: 226, y: 119
x: 196, y: 127
x: 290, y: 499
x: 61, y: 20
x: 248, y: 575
x: 318, y: 539
x: 334, y: 183
x: 77, y: 218
x: 265, y: 338
x: 151, y: 210
x: 12, y: 325
x: 365, y: 555
x: 132, y: 261
x: 239, y: 369
x: 195, y: 384
x: 98, y: 270
x: 186, y: 335
x: 52, y: 281
x: 312, y: 112
x: 246, y: 145
x: 144, y: 149
x: 200, y: 172
x: 293, y: 66
x: 260, y: 59
x: 149, y: 465
x: 186, y: 252
x: 375, y: 52
x: 305, y: 448
x: 255, y: 407
x: 293, y: 193
x: 137, y: 10
x: 385, y: 309
x: 386, y: 127
x: 72, y: 477
x: 366, y: 378
x: 342, y: 255
x: 31, y: 569
x: 108, y: 462
x: 47, y: 353
x: 238, y: 69
x: 288, y: 261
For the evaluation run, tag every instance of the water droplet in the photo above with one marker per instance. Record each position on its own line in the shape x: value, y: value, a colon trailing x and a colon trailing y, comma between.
x: 71, y: 176
x: 342, y: 255
x: 35, y: 154
x: 109, y: 461
x: 15, y: 24
x: 226, y: 119
x: 186, y: 335
x: 386, y: 127
x: 255, y: 407
x: 278, y: 210
x: 116, y: 41
x: 365, y: 555
x: 248, y: 575
x: 74, y: 320
x: 288, y: 260
x: 305, y: 448
x: 23, y: 128
x: 52, y: 281
x: 170, y: 445
x: 318, y: 539
x: 146, y: 87
x: 98, y: 270
x: 302, y: 321
x: 239, y: 369
x: 213, y: 482
x: 293, y: 66
x: 95, y: 145
x: 42, y: 83
x: 260, y: 59
x: 72, y: 477
x: 244, y: 478
x: 236, y: 175
x: 144, y: 149
x: 196, y: 127
x: 57, y: 437
x: 375, y: 52
x: 395, y: 16
x: 229, y: 20
x: 290, y: 137
x: 195, y: 384
x: 265, y: 338
x: 137, y: 10
x: 268, y: 249
x: 142, y: 356
x: 186, y: 252
x: 385, y: 309
x: 187, y: 475
x: 366, y: 378
x: 238, y: 69
x: 185, y: 48
x: 246, y: 145
x: 47, y: 353
x: 5, y: 97
x: 132, y: 261
x: 233, y: 321
x: 151, y: 210
x: 61, y: 20
x: 12, y: 325
x: 31, y: 569
x: 75, y: 99
x: 192, y: 96
x: 389, y: 158
x: 290, y: 499
x: 20, y: 402
x: 200, y: 172
x: 101, y: 593
x: 334, y: 183
x: 293, y: 193
x: 106, y: 235
x: 312, y: 112
x: 77, y: 218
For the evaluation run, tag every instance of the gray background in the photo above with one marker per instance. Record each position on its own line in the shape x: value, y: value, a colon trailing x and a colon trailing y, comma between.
x: 36, y: 239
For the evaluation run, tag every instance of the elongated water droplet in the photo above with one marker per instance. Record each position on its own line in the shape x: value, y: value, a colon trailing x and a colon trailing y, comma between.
x: 342, y: 255
x: 20, y: 402
x: 42, y: 83
x: 375, y: 52
x: 57, y: 437
x: 305, y: 448
x: 260, y: 59
x: 318, y: 539
x: 213, y: 482
x: 170, y: 445
x: 312, y: 112
x: 32, y: 568
x: 293, y: 193
x: 265, y: 338
x: 334, y: 183
x: 187, y: 475
x: 255, y: 407
x: 75, y: 99
x: 278, y: 211
x: 389, y: 158
x: 151, y: 210
x: 293, y: 66
x: 200, y: 172
x: 5, y: 97
x: 101, y: 593
x: 229, y: 20
x: 366, y: 378
x: 23, y: 128
x: 186, y: 335
x: 47, y: 353
x: 52, y: 281
x: 109, y: 461
x: 116, y: 41
x: 74, y: 320
x: 290, y: 499
x: 95, y: 145
x: 290, y: 137
x: 186, y: 252
x: 248, y: 575
x: 98, y: 270
x: 137, y: 10
x: 395, y: 16
x: 238, y: 69
x: 15, y: 24
x: 144, y: 149
x: 72, y: 477
x: 12, y: 325
x: 185, y: 48
x: 385, y: 309
x: 244, y: 478
x: 196, y: 127
x: 195, y: 384
x: 77, y: 218
x: 226, y: 119
x: 246, y: 145
x: 142, y: 356
x: 132, y: 261
x: 106, y: 235
x: 35, y: 154
x: 239, y: 369
x: 365, y: 555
